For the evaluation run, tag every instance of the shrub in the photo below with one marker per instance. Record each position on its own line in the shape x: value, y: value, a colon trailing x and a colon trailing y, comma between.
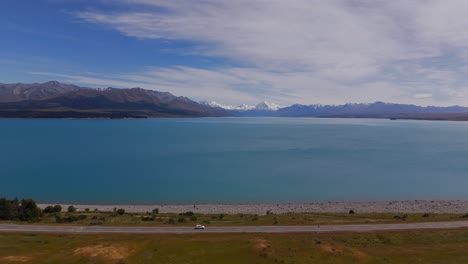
x: 268, y: 212
x: 156, y: 211
x: 181, y: 220
x: 351, y: 212
x: 29, y: 210
x: 221, y: 216
x: 171, y: 221
x: 86, y: 210
x: 189, y: 213
x: 53, y: 209
x: 71, y: 209
x: 49, y: 209
x: 147, y: 218
x: 66, y: 219
x: 57, y: 208
x: 426, y: 215
x: 121, y: 211
x: 82, y: 217
x: 401, y: 217
x: 193, y: 218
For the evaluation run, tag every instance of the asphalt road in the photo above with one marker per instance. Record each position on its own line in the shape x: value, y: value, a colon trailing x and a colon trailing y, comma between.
x: 229, y: 229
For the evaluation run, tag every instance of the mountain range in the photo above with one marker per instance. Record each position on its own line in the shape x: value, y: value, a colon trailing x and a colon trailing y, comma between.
x: 54, y: 99
x: 58, y: 100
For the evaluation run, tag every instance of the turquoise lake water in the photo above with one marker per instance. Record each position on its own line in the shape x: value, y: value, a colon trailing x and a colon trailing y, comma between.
x: 232, y: 160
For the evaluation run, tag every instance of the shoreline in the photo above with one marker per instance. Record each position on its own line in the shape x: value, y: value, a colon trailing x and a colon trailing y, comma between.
x: 396, y: 206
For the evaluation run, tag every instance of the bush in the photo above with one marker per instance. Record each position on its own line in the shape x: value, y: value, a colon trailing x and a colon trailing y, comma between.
x: 82, y: 217
x: 49, y: 209
x: 57, y: 208
x: 66, y: 219
x: 401, y: 217
x: 121, y: 211
x: 86, y: 210
x: 351, y: 212
x: 221, y: 216
x: 275, y: 220
x: 71, y: 209
x: 426, y: 215
x: 181, y: 220
x: 156, y: 211
x: 193, y: 218
x: 29, y: 210
x: 268, y: 212
x: 147, y: 218
x: 53, y: 209
x: 171, y: 221
x: 187, y: 214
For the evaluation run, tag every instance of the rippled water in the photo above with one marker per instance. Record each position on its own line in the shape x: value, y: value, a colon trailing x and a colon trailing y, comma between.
x: 232, y: 160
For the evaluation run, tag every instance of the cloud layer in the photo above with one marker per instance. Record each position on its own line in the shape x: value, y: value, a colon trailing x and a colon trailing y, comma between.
x: 305, y: 51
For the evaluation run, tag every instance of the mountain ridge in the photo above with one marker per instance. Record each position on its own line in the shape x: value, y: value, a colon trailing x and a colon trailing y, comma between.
x: 55, y: 99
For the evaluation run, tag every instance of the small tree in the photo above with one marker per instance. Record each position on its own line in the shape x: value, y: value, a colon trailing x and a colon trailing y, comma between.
x: 57, y: 208
x: 121, y: 211
x: 49, y: 209
x: 86, y: 210
x: 71, y: 209
x: 220, y: 216
x: 156, y: 211
x: 29, y: 210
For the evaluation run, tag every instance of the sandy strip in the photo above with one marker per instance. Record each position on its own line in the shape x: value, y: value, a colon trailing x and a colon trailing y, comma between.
x: 412, y: 206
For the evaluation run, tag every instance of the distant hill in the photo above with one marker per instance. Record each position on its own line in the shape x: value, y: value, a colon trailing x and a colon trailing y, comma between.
x: 54, y: 99
x: 16, y: 92
x: 376, y: 110
x: 372, y: 110
x: 57, y: 100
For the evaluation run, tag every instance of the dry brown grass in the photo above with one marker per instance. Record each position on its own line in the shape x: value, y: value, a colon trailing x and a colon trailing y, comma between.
x: 114, y: 252
x: 15, y: 258
x: 359, y: 256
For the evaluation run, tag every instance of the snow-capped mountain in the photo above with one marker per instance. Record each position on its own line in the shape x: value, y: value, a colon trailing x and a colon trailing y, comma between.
x: 263, y: 106
x: 267, y: 106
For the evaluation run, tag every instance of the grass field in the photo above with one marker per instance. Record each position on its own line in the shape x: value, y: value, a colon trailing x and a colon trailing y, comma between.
x: 435, y: 246
x: 110, y: 218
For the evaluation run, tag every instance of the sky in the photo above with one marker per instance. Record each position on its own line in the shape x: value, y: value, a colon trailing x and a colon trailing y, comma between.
x: 245, y: 51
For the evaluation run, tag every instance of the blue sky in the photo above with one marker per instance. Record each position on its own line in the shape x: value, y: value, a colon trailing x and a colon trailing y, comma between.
x: 233, y: 52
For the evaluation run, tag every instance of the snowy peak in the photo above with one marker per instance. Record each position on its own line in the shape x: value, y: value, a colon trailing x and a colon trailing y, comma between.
x: 242, y: 107
x: 263, y: 106
x: 267, y: 106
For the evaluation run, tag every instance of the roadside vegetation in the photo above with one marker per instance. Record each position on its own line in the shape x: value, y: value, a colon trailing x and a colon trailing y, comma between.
x: 434, y: 246
x: 26, y: 211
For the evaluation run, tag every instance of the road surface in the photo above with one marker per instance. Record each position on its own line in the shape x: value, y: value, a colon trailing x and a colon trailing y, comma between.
x: 229, y: 229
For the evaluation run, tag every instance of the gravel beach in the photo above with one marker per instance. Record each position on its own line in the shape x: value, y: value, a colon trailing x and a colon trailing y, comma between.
x: 407, y: 206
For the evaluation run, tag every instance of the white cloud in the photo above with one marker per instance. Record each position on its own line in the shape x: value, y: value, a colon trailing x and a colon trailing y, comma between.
x: 422, y: 95
x: 307, y: 50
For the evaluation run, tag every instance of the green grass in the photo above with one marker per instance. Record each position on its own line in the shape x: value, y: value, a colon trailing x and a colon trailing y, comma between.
x: 435, y: 246
x: 109, y: 218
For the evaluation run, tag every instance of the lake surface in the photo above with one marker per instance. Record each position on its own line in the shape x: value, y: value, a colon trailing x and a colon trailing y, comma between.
x: 232, y: 160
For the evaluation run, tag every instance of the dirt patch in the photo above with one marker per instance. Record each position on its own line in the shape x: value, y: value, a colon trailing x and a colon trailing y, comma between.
x: 346, y: 251
x: 104, y: 251
x: 260, y: 244
x: 16, y: 258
